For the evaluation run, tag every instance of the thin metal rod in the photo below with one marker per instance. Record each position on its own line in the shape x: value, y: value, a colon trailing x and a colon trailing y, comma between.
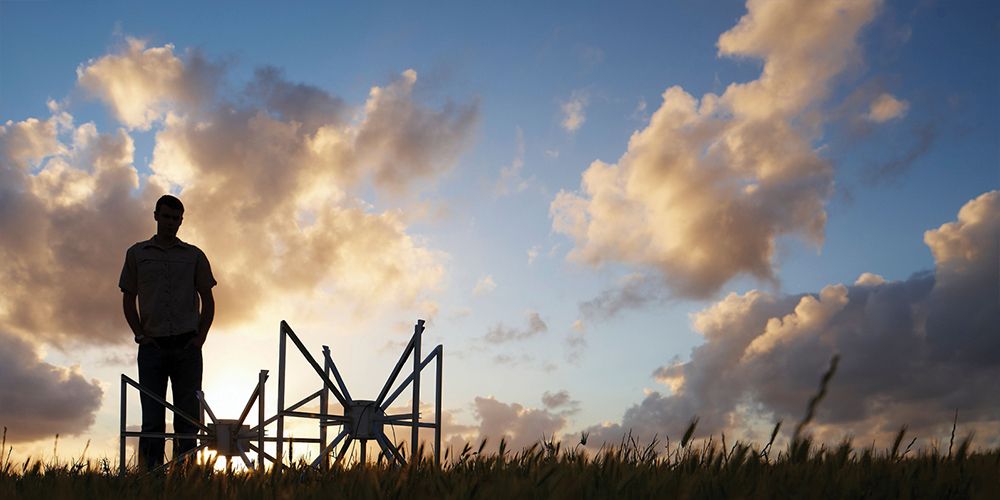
x: 389, y: 458
x: 287, y: 331
x: 437, y: 404
x: 121, y: 438
x: 343, y: 449
x: 260, y: 453
x: 336, y: 374
x: 395, y: 372
x: 408, y: 379
x: 290, y: 408
x: 398, y: 416
x: 418, y: 331
x: 339, y: 419
x: 204, y: 404
x: 261, y: 378
x: 177, y: 411
x: 294, y: 440
x: 176, y: 459
x: 324, y: 409
x: 281, y: 396
x: 250, y: 402
x: 395, y: 454
x: 246, y: 460
x: 164, y: 435
x: 364, y: 452
x: 325, y: 454
x: 410, y: 423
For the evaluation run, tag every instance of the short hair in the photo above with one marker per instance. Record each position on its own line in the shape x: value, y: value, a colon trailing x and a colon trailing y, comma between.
x: 169, y: 201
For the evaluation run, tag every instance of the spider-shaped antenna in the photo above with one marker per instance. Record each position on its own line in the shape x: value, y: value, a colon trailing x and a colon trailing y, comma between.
x: 361, y: 420
x: 229, y: 438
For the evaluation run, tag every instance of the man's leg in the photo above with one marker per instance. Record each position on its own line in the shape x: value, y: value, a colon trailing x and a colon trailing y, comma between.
x: 152, y: 377
x: 185, y: 378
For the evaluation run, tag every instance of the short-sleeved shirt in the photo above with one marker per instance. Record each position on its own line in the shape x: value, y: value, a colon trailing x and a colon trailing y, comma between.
x: 167, y: 280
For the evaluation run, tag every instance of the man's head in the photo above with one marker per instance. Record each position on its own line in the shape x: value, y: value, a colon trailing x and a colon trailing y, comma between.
x: 168, y: 214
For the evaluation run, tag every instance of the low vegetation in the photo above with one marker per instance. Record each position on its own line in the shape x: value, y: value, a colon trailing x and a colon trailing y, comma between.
x: 629, y: 470
x: 707, y: 468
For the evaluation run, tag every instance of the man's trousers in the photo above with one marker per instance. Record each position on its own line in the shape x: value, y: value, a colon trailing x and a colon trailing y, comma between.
x: 159, y: 361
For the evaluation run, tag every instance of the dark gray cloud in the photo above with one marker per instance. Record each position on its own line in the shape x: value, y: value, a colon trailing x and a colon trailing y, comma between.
x: 894, y: 168
x: 560, y: 402
x: 634, y: 291
x: 501, y: 333
x: 911, y: 352
x: 40, y: 400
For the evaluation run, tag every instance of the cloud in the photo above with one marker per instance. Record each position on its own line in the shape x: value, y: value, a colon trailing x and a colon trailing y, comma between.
x: 886, y: 107
x: 533, y: 253
x: 520, y: 426
x: 270, y: 174
x: 632, y: 292
x: 560, y: 402
x: 41, y: 400
x: 484, y: 286
x: 912, y: 351
x: 501, y: 333
x: 510, y: 180
x: 403, y: 141
x: 704, y: 191
x: 590, y: 56
x: 895, y: 168
x: 64, y: 222
x: 573, y: 111
x: 142, y: 84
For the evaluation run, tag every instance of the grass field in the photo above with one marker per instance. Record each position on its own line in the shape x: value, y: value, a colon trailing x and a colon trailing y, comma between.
x: 706, y: 468
x: 629, y: 470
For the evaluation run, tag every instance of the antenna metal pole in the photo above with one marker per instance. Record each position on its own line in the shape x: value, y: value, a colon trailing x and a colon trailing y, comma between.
x: 324, y: 402
x: 121, y: 440
x: 415, y: 433
x: 437, y: 408
x: 261, y: 378
x: 281, y: 400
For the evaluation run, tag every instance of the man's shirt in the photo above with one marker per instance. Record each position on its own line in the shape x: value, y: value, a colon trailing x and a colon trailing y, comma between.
x: 167, y: 280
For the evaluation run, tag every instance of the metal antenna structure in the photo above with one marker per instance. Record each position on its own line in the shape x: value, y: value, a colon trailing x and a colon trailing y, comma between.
x: 360, y: 420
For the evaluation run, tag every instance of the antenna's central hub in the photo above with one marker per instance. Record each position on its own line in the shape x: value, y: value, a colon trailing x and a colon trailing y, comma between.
x: 366, y: 419
x: 228, y: 437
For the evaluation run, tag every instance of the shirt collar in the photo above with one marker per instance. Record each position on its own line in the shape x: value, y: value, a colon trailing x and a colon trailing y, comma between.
x: 152, y: 242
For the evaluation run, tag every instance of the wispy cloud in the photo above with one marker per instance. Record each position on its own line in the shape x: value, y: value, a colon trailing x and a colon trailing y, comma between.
x: 574, y: 111
x: 510, y: 180
x: 501, y: 333
x: 484, y: 286
x: 887, y: 107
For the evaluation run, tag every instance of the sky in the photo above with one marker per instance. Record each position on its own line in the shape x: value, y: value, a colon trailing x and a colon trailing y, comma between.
x: 612, y: 217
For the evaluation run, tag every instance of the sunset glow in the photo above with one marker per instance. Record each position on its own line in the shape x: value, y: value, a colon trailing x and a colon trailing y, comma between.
x: 614, y: 218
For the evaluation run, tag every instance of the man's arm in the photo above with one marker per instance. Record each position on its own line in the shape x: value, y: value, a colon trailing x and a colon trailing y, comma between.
x: 132, y: 317
x: 206, y: 316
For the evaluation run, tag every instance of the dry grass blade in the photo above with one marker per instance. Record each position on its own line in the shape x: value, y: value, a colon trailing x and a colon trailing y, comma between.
x: 814, y: 402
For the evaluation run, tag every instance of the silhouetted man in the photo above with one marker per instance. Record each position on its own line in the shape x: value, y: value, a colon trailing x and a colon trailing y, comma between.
x: 167, y: 276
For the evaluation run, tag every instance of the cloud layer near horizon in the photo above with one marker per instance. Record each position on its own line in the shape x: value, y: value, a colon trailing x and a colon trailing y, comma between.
x: 703, y: 192
x: 41, y: 400
x: 912, y: 352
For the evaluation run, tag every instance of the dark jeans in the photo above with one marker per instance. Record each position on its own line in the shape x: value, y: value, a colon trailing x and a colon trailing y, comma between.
x: 159, y: 361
